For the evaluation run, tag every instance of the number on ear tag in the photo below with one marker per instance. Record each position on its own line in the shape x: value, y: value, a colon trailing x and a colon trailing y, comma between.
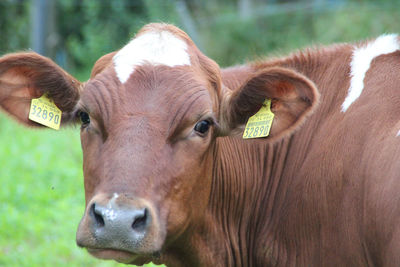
x: 44, y: 111
x: 260, y: 123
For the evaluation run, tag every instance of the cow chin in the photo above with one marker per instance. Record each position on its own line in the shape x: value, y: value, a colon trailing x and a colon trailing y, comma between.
x: 120, y: 256
x: 121, y: 228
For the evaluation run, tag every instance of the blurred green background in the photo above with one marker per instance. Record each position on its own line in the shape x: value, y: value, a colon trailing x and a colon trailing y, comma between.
x: 41, y: 193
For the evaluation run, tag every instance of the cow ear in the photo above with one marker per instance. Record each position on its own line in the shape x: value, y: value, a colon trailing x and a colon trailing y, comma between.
x: 293, y: 98
x: 24, y: 76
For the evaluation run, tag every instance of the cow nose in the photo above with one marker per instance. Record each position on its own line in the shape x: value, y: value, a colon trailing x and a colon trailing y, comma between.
x: 112, y: 218
x: 118, y: 227
x: 120, y: 223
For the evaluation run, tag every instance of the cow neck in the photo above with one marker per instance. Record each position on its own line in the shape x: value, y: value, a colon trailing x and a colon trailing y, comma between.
x: 247, y: 189
x: 251, y: 181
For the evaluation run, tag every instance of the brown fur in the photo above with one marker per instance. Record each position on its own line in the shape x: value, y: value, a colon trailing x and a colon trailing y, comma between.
x: 102, y: 63
x: 322, y: 190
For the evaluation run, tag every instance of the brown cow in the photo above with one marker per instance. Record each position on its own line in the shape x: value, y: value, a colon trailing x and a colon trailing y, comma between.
x: 169, y: 179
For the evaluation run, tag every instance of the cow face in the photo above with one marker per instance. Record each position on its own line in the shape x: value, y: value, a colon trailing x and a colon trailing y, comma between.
x: 150, y: 116
x: 147, y: 127
x: 146, y: 152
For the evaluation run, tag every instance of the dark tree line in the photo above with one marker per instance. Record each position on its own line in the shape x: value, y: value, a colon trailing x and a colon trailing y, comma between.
x: 230, y: 31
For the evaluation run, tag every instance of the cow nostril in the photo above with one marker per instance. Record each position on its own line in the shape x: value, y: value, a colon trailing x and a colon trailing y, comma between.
x: 98, y: 218
x: 140, y: 220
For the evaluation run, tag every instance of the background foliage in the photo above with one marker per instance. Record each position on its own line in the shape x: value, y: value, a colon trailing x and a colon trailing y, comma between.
x: 41, y: 197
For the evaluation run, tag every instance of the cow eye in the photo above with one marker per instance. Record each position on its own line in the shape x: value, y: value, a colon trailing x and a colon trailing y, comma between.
x: 202, y: 126
x: 85, y: 119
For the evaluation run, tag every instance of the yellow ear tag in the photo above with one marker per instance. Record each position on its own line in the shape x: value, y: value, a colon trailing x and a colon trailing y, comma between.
x: 44, y: 111
x: 260, y: 123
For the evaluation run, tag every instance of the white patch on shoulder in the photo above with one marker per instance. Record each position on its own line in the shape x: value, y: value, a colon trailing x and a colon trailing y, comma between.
x: 157, y: 48
x: 362, y: 58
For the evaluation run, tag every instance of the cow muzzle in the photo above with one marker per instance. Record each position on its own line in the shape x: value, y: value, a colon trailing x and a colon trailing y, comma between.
x: 119, y: 228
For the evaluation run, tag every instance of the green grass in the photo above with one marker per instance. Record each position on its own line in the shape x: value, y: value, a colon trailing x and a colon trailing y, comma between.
x: 41, y: 197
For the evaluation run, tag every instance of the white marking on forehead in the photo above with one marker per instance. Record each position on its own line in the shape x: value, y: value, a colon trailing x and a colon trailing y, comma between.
x: 362, y: 58
x: 157, y: 48
x: 398, y: 133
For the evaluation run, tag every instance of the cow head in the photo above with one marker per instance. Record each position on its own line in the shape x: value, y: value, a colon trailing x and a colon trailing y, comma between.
x: 150, y: 116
